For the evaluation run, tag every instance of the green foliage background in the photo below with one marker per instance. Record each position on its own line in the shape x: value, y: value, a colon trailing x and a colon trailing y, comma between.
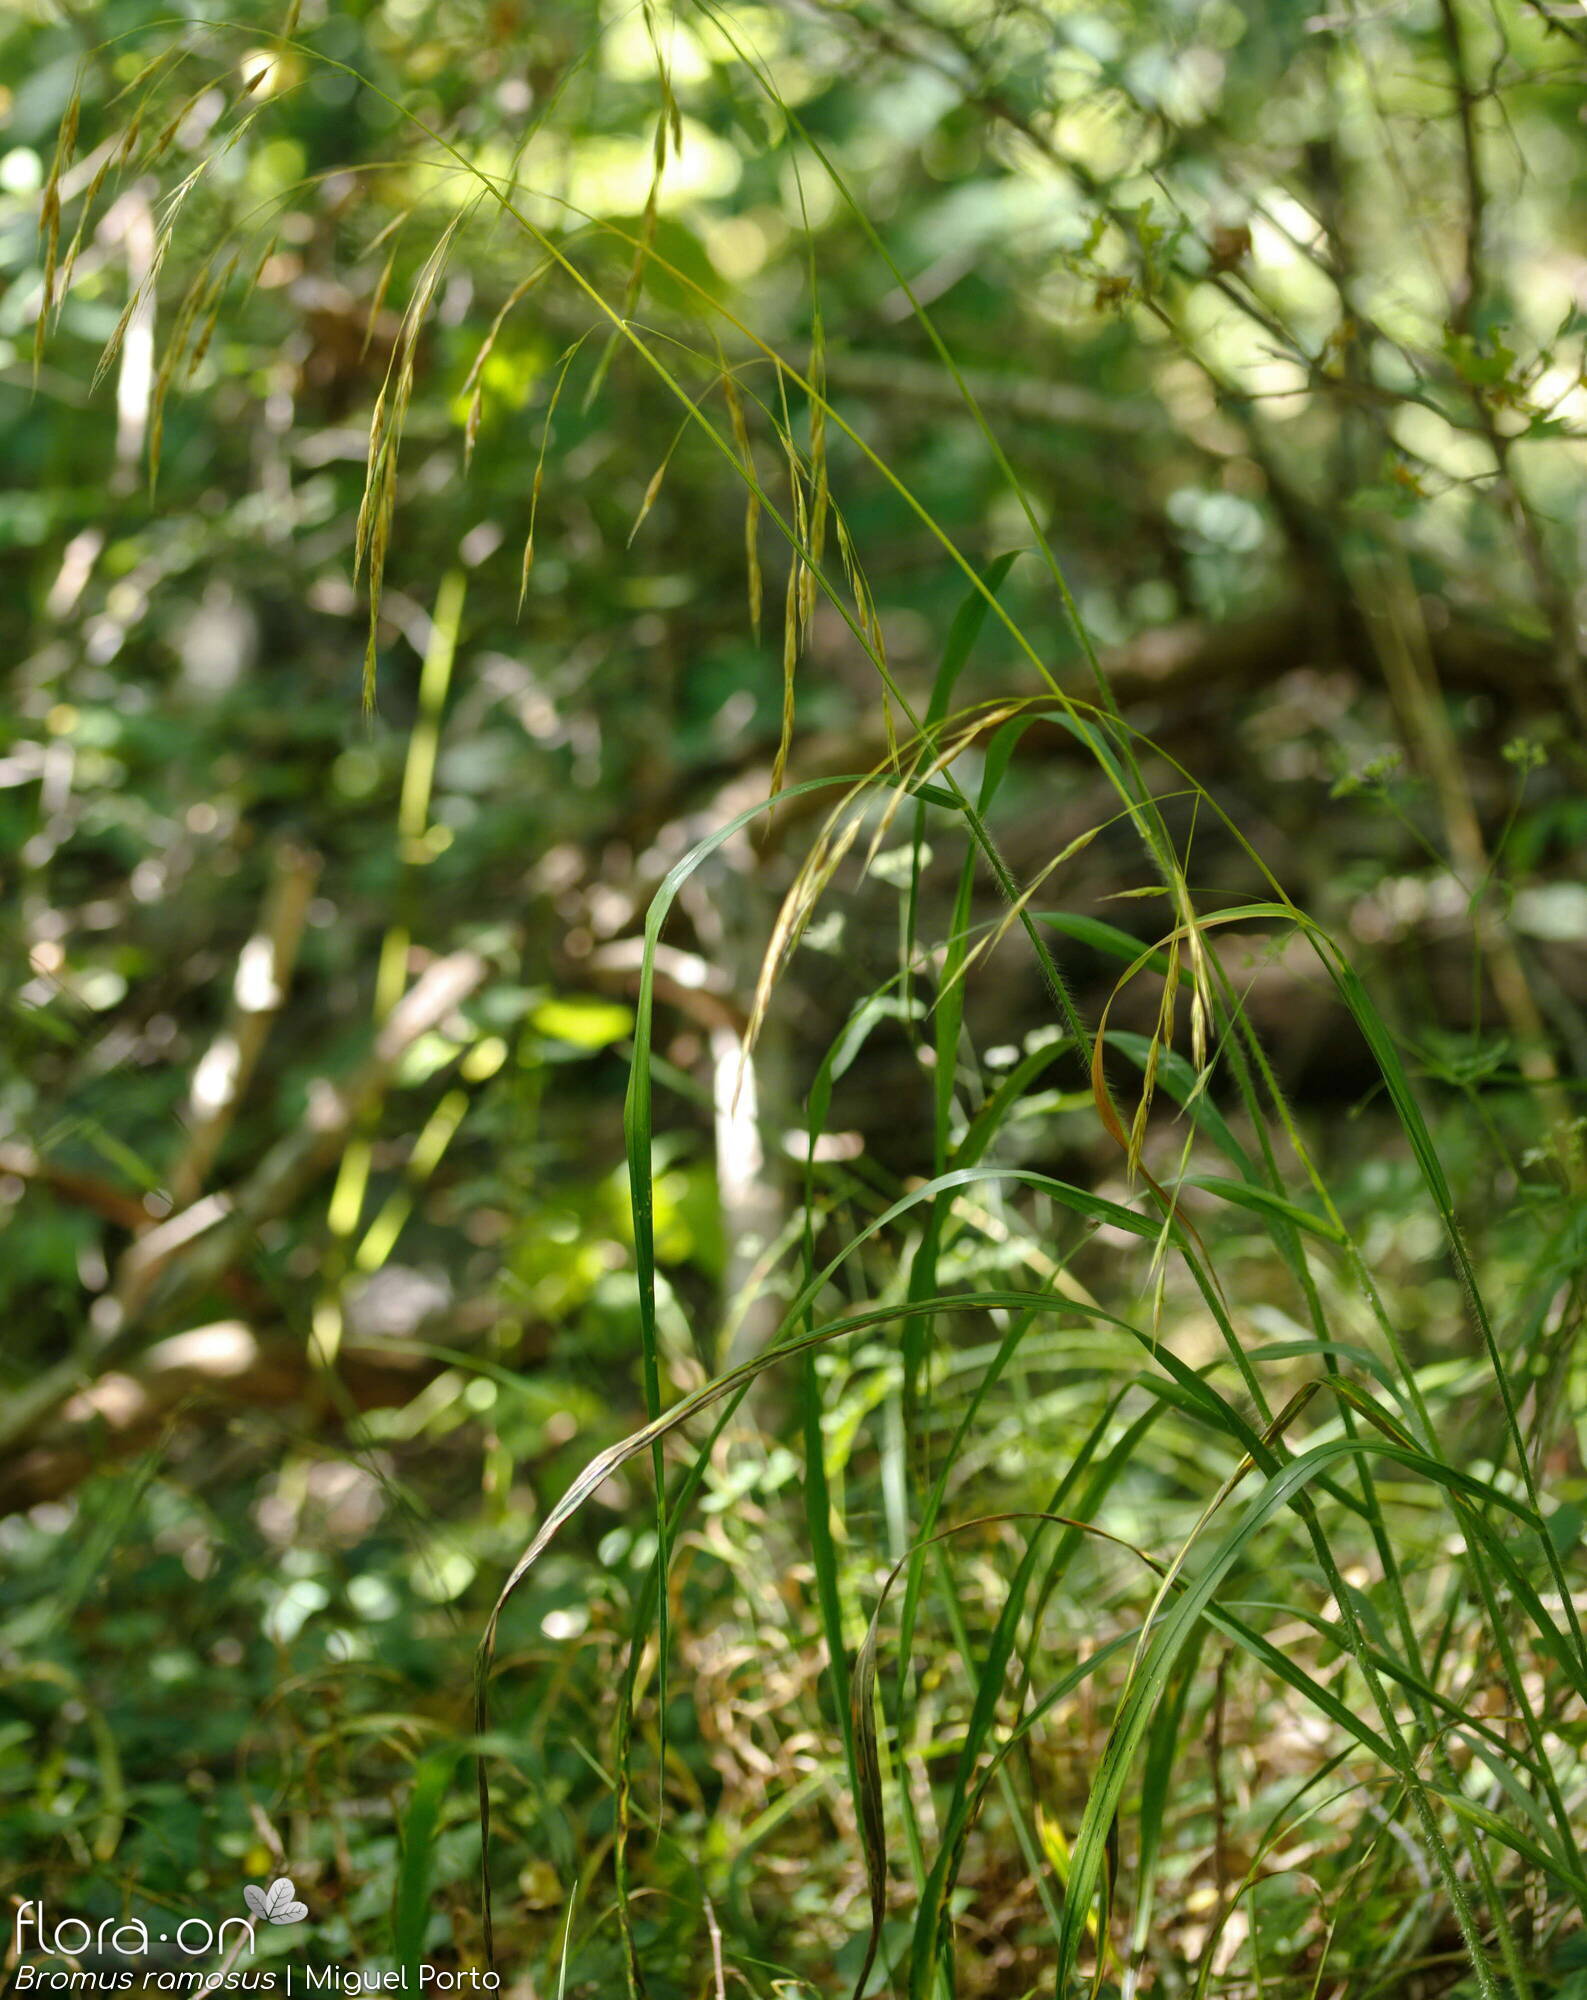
x: 1270, y: 326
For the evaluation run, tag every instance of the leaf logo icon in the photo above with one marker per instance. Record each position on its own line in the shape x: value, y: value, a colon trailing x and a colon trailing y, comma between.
x: 277, y: 1904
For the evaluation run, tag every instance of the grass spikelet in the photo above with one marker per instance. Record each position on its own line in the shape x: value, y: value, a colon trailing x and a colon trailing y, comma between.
x: 50, y: 215
x: 540, y: 466
x: 390, y: 228
x: 211, y: 311
x: 735, y: 413
x: 382, y: 286
x: 1132, y: 1158
x: 870, y: 625
x: 1162, y: 1038
x: 233, y: 138
x: 1200, y: 991
x: 194, y: 300
x: 380, y: 518
x: 476, y: 404
x: 1015, y: 910
x: 518, y: 293
x: 660, y: 472
x: 161, y: 143
x: 818, y: 476
x: 798, y: 906
x: 793, y: 624
x: 377, y: 434
x: 143, y: 79
x: 854, y: 576
x: 258, y: 269
x: 649, y: 500
x: 901, y: 789
x: 119, y: 332
x: 377, y: 508
x: 790, y: 662
x: 206, y: 333
x: 148, y: 287
x: 107, y: 160
x: 528, y: 553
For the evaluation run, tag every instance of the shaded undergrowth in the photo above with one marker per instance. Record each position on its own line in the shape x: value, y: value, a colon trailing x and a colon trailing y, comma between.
x: 1132, y: 1605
